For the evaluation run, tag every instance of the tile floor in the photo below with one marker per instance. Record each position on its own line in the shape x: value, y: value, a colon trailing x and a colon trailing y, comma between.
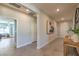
x: 54, y: 48
x: 7, y: 46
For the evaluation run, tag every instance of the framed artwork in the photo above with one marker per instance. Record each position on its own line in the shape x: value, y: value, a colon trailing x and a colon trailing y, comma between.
x: 76, y: 18
x: 50, y: 27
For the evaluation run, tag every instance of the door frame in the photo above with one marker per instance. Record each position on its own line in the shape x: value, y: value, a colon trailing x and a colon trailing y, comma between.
x: 12, y: 19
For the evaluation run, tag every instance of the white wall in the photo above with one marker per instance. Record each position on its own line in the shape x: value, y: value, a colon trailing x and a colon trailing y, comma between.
x: 43, y: 37
x: 24, y: 22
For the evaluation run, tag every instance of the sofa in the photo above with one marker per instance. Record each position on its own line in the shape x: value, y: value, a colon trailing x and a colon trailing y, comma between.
x: 4, y: 35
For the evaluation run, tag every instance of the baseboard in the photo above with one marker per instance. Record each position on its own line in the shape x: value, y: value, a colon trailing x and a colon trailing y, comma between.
x: 23, y: 45
x: 45, y: 44
x: 42, y: 46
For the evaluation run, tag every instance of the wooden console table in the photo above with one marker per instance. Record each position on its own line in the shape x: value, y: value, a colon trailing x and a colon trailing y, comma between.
x: 68, y: 43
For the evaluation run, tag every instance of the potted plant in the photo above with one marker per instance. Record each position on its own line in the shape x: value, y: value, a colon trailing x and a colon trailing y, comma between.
x: 75, y: 35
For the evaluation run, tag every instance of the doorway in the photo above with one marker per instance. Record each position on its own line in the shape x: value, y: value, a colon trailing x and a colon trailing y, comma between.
x: 64, y: 27
x: 7, y: 33
x: 34, y: 31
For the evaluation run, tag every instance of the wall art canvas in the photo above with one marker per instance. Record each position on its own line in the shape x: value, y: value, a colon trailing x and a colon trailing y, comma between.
x: 50, y: 27
x: 77, y: 18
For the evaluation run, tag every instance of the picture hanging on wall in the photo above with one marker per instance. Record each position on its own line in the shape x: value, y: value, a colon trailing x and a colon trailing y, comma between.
x: 50, y: 27
x: 77, y: 18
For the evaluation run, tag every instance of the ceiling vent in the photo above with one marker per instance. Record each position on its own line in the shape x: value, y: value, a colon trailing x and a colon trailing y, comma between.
x: 15, y: 5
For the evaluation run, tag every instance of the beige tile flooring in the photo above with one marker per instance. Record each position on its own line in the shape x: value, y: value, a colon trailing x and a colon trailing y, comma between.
x: 7, y: 46
x: 55, y: 48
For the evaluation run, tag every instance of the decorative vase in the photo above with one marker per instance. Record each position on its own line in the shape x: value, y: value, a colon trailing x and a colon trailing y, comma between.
x: 75, y: 38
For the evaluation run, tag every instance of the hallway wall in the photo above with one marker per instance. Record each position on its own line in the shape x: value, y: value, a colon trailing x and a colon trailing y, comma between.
x: 24, y: 22
x: 43, y: 37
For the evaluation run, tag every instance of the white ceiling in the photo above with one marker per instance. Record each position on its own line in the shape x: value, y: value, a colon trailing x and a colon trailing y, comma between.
x: 67, y: 10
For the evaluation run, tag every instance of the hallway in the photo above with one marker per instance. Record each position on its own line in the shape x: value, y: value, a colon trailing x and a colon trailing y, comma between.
x: 34, y: 25
x: 55, y: 48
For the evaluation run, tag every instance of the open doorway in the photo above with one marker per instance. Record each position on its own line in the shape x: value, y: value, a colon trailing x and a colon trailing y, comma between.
x: 34, y: 32
x: 7, y: 33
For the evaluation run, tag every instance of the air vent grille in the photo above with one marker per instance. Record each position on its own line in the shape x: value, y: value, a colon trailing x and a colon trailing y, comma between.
x: 15, y: 5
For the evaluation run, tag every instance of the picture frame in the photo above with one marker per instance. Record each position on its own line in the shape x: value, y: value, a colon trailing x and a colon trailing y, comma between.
x: 76, y: 25
x: 50, y: 27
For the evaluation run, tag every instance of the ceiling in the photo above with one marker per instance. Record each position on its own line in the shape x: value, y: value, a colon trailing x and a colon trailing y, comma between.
x: 19, y: 7
x: 66, y: 10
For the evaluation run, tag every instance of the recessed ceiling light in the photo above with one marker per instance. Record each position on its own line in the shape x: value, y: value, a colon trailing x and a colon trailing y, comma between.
x: 57, y: 10
x: 27, y: 10
x: 62, y: 18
